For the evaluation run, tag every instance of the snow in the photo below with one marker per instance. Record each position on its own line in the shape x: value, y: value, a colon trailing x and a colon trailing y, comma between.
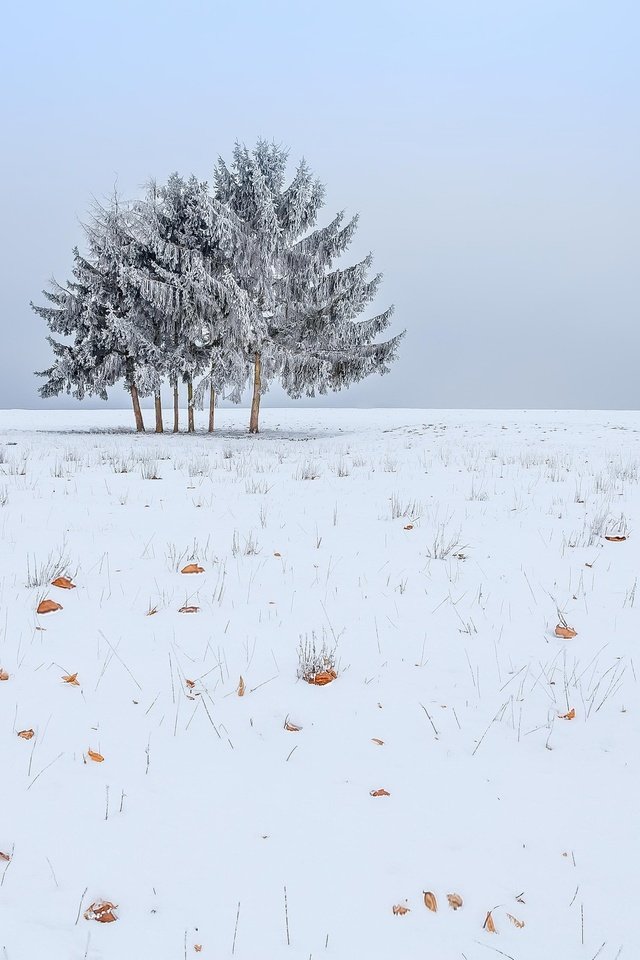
x: 214, y: 808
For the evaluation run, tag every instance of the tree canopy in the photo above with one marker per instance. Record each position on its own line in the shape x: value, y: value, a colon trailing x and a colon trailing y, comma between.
x: 217, y: 287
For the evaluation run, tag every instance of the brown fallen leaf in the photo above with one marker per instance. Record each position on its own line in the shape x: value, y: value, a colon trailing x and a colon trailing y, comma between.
x: 190, y: 683
x: 455, y: 900
x: 188, y: 609
x: 615, y: 539
x: 380, y: 793
x: 48, y: 606
x: 3, y: 674
x: 5, y: 857
x: 197, y: 947
x: 566, y: 633
x: 489, y: 924
x: 514, y: 920
x: 241, y: 688
x: 409, y: 526
x: 71, y: 678
x: 192, y: 568
x: 277, y: 554
x: 376, y: 740
x: 400, y: 911
x: 102, y: 911
x: 26, y: 734
x: 292, y: 727
x: 64, y: 583
x: 322, y: 678
x: 568, y: 716
x: 430, y: 901
x: 96, y: 757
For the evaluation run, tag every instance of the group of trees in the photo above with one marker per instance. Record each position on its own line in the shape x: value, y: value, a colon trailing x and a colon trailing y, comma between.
x: 215, y: 287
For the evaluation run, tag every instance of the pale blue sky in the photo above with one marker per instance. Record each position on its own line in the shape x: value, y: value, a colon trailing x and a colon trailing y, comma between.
x: 492, y: 149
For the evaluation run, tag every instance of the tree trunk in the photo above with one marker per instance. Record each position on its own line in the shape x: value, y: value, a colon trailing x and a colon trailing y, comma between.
x: 158, y: 406
x: 137, y: 412
x: 255, y: 403
x: 190, y: 424
x: 212, y: 409
x: 176, y: 418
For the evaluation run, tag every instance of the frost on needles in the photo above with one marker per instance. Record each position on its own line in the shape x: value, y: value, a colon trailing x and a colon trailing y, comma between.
x: 216, y: 288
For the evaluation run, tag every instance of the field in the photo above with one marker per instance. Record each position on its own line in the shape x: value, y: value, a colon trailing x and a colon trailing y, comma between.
x: 227, y: 806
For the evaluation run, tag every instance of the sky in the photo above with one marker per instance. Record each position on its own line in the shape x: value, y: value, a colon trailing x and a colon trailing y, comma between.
x: 491, y: 148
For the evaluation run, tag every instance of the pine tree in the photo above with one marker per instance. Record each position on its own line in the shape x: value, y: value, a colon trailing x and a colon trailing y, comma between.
x: 187, y: 285
x: 303, y: 325
x: 190, y: 241
x: 111, y: 326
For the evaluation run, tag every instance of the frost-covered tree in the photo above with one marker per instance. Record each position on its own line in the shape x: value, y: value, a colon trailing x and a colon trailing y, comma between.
x: 302, y: 310
x: 209, y: 289
x: 112, y: 329
x: 191, y: 244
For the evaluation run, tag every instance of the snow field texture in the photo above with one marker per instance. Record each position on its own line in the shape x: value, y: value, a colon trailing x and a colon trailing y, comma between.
x: 433, y: 553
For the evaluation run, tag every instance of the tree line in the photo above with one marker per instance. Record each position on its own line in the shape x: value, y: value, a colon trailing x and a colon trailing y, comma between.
x: 215, y: 287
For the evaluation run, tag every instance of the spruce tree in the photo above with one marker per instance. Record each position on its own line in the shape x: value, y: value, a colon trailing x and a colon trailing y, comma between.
x: 304, y: 325
x: 190, y: 243
x: 111, y: 326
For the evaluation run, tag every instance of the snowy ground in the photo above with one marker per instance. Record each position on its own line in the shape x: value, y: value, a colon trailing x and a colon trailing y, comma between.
x: 205, y: 807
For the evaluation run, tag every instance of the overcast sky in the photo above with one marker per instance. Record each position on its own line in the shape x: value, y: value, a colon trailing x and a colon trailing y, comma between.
x: 492, y: 148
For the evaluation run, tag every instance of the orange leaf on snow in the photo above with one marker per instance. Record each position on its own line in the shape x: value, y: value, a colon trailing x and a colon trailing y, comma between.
x: 190, y: 683
x: 455, y: 900
x: 64, y: 583
x: 5, y: 857
x: 102, y: 911
x: 322, y: 678
x: 409, y: 526
x: 380, y: 793
x: 48, y: 606
x: 489, y: 924
x: 71, y: 678
x: 292, y: 727
x: 197, y: 947
x: 430, y: 901
x: 3, y: 674
x: 615, y: 539
x: 192, y: 568
x: 241, y: 688
x: 566, y: 633
x: 97, y: 757
x: 188, y: 609
x: 568, y: 716
x: 400, y: 911
x: 26, y: 734
x: 514, y: 920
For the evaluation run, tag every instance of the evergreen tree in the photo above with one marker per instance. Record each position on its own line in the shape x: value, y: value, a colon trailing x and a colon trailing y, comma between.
x: 190, y: 242
x: 111, y: 326
x: 303, y: 325
x: 187, y: 285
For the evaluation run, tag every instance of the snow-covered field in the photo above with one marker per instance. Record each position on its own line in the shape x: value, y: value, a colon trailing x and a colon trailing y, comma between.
x: 430, y: 552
